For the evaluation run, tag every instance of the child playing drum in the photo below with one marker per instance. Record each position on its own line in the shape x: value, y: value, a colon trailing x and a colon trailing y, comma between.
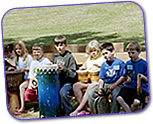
x: 92, y: 64
x: 67, y: 75
x: 110, y: 73
x: 37, y: 51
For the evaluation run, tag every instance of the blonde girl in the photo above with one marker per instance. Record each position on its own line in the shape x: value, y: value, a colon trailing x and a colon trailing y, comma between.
x: 23, y: 61
x: 22, y: 58
x: 93, y: 62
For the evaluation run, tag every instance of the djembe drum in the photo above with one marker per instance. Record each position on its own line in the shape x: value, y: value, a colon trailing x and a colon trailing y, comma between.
x: 48, y: 90
x: 93, y: 75
x: 83, y: 76
x: 13, y: 80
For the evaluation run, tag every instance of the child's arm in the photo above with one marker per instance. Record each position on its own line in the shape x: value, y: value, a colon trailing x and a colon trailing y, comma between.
x: 70, y: 70
x: 97, y: 65
x: 101, y: 83
x: 83, y: 67
x: 118, y: 82
x: 127, y: 79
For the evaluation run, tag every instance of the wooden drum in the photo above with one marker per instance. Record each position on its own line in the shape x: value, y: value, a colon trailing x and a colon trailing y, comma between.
x: 93, y: 75
x: 14, y: 79
x: 83, y: 76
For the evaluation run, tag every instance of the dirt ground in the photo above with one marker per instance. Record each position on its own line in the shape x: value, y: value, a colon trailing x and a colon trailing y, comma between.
x: 28, y: 115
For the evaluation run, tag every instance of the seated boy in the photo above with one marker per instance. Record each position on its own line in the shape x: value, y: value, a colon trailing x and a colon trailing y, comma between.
x: 136, y: 89
x: 67, y: 75
x: 30, y: 93
x: 110, y: 73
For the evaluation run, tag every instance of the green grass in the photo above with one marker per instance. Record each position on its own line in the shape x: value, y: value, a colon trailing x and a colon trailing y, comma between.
x: 115, y: 22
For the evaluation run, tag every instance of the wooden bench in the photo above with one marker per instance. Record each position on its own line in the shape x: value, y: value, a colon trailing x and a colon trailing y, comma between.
x: 82, y: 57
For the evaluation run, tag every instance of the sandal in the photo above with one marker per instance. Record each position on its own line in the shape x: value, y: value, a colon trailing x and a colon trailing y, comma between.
x: 19, y: 112
x: 75, y: 113
x: 83, y: 113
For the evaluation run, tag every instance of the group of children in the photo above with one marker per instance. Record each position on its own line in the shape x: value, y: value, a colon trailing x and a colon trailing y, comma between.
x: 127, y: 82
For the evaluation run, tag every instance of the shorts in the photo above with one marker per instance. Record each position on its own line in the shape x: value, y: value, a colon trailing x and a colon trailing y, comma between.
x: 129, y: 94
x: 31, y: 95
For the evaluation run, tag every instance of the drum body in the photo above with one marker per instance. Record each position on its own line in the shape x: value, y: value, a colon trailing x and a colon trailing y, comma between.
x: 48, y: 93
x: 13, y: 101
x: 93, y: 75
x: 83, y: 76
x: 13, y: 80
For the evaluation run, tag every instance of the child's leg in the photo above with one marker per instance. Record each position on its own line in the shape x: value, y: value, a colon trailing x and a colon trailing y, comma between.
x: 22, y: 88
x: 135, y: 105
x: 77, y: 89
x: 83, y: 102
x: 125, y: 106
x: 115, y: 107
x: 91, y: 97
x: 65, y: 97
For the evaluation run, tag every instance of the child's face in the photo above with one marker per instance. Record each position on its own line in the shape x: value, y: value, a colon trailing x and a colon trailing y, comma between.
x: 108, y: 55
x: 93, y: 53
x: 133, y: 54
x: 60, y: 47
x: 37, y: 54
x: 10, y: 54
x: 18, y: 50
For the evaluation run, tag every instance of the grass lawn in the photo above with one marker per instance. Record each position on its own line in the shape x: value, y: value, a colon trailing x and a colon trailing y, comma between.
x: 115, y: 22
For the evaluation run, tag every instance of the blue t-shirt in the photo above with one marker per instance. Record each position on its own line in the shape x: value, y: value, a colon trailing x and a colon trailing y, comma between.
x: 132, y: 69
x: 111, y: 72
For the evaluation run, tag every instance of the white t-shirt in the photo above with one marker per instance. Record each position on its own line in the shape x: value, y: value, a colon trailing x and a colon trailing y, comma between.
x: 23, y: 64
x: 90, y: 63
x: 34, y: 64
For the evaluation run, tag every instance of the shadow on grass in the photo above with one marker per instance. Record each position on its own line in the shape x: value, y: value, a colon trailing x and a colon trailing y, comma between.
x: 75, y: 38
x: 83, y: 38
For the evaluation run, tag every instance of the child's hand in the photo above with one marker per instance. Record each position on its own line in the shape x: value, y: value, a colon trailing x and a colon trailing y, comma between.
x: 60, y: 67
x: 100, y: 91
x: 97, y: 65
x: 11, y: 69
x: 82, y: 68
x: 128, y: 80
x: 49, y: 63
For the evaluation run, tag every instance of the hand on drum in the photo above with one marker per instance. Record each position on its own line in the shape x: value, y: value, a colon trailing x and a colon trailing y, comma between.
x: 49, y: 63
x: 82, y: 68
x: 97, y: 65
x: 11, y: 69
x: 60, y: 67
x: 100, y: 91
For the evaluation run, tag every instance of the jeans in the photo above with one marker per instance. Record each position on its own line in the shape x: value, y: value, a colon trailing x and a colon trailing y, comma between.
x: 65, y: 94
x: 114, y: 106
